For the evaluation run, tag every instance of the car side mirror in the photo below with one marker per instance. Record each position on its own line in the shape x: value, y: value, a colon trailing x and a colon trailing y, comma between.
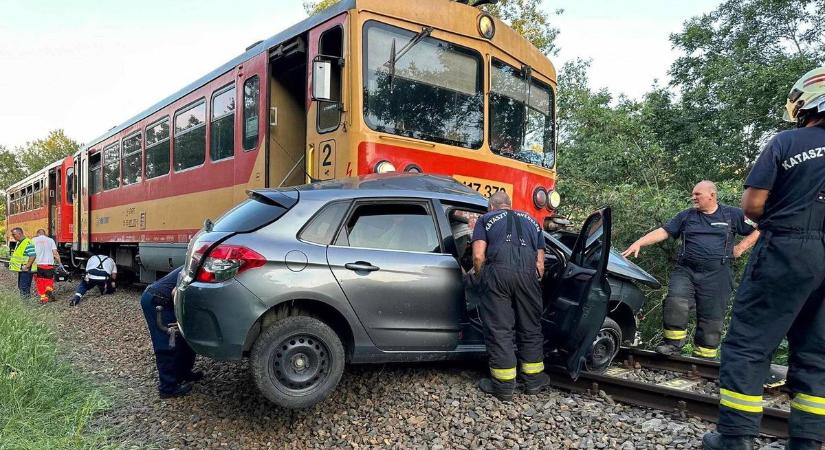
x: 321, y: 76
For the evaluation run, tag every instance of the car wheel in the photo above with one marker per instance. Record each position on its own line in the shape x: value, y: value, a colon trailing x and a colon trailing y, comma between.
x: 297, y: 361
x: 605, y: 346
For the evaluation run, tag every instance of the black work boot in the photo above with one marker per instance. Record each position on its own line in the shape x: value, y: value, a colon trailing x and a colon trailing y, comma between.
x: 498, y: 389
x: 668, y: 349
x: 180, y: 391
x: 803, y: 444
x: 718, y: 441
x: 533, y: 384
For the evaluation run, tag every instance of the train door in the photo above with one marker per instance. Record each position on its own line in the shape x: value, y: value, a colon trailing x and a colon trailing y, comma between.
x: 287, y: 113
x: 81, y: 204
x: 326, y: 148
x: 65, y: 211
x: 53, y: 200
x: 252, y: 87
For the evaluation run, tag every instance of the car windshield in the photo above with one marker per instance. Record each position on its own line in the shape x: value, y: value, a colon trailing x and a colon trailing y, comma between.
x: 432, y: 92
x: 522, y: 123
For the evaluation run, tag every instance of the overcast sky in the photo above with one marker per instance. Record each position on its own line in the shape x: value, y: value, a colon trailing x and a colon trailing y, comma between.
x: 86, y: 65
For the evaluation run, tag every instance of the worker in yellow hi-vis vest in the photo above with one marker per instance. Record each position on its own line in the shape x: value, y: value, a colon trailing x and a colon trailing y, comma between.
x: 22, y: 262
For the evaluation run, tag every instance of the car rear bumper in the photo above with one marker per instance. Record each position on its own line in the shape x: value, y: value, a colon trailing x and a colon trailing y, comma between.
x: 215, y: 319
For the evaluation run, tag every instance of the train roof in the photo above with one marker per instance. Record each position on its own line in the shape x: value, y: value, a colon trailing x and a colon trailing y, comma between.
x: 34, y: 176
x: 260, y: 47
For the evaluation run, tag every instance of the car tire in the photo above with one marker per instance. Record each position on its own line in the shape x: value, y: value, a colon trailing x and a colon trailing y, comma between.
x: 297, y: 362
x: 605, y: 346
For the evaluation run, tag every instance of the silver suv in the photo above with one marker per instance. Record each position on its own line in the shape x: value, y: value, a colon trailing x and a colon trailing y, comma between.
x: 303, y: 280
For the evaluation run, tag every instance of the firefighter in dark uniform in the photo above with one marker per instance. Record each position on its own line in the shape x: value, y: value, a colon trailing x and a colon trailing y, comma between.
x: 174, y: 363
x: 783, y: 288
x: 703, y: 276
x: 508, y: 255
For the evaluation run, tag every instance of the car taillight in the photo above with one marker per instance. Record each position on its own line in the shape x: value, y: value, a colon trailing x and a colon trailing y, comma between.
x: 226, y: 261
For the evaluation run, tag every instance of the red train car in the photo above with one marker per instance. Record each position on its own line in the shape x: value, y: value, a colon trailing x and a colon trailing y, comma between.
x: 43, y: 200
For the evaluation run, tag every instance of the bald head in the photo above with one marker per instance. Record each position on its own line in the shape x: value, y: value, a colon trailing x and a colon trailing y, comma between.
x: 499, y: 200
x: 705, y: 196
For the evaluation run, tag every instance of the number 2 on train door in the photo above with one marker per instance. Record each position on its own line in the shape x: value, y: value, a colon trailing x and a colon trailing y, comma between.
x: 326, y: 160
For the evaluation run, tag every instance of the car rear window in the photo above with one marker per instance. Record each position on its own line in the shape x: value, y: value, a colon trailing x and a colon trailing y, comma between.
x: 321, y: 228
x: 250, y: 215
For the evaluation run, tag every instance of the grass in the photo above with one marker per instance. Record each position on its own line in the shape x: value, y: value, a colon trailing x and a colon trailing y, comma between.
x: 45, y: 403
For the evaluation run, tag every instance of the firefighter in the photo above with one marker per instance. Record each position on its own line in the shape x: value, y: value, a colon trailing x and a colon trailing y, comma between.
x: 22, y: 262
x: 174, y: 362
x: 703, y: 275
x: 508, y: 255
x: 783, y: 287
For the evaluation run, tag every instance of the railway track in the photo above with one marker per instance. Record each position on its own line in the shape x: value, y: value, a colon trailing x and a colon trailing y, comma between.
x: 673, y: 395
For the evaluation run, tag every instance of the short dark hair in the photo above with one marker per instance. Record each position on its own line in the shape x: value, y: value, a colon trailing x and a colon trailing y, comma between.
x: 17, y: 229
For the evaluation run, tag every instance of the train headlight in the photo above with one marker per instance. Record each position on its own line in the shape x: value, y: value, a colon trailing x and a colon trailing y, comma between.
x: 486, y: 26
x: 553, y: 200
x: 412, y: 168
x: 384, y: 167
x: 540, y: 197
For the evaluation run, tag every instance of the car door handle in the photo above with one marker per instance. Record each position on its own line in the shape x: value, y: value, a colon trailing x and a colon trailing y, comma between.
x: 361, y: 266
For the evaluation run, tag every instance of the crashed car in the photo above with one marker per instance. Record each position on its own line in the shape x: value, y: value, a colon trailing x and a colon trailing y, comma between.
x: 306, y: 279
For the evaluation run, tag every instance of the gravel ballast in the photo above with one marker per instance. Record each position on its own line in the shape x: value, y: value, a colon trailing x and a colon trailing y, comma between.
x: 432, y: 406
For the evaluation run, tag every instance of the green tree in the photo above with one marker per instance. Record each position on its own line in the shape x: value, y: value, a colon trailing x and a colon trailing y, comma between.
x: 38, y: 154
x: 11, y: 171
x: 739, y: 62
x: 527, y: 17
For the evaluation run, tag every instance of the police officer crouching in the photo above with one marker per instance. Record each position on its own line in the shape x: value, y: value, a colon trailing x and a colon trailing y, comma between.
x: 174, y: 357
x: 508, y: 255
x: 783, y: 288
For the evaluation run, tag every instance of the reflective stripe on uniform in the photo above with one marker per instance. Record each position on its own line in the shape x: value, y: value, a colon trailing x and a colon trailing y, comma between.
x: 809, y: 403
x: 675, y: 335
x: 503, y: 374
x: 532, y: 368
x: 704, y: 352
x: 741, y: 402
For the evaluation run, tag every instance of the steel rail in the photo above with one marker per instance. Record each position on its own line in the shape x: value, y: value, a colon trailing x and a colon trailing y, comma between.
x: 632, y: 358
x: 774, y: 421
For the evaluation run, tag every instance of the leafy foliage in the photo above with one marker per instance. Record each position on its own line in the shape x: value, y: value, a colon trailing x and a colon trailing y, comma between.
x: 42, y: 152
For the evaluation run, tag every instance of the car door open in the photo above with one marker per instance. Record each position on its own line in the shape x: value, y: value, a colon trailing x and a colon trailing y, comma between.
x: 576, y: 303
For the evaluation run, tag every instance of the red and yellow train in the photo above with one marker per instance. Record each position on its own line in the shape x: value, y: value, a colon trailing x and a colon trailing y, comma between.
x: 364, y: 86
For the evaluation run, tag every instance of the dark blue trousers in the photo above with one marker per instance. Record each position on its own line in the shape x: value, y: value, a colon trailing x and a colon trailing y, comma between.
x: 782, y: 294
x: 174, y: 364
x: 24, y: 283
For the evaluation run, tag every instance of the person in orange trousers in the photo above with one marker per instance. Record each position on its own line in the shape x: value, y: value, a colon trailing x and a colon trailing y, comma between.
x: 47, y: 258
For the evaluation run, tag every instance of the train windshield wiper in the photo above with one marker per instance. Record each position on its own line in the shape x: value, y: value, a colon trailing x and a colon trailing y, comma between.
x: 395, y: 56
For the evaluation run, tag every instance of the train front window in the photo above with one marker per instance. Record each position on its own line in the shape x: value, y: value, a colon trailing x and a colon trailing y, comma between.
x: 522, y: 123
x: 422, y: 87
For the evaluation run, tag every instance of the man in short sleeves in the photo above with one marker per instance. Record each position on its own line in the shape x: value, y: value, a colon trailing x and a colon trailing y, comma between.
x: 783, y: 288
x: 508, y: 255
x: 703, y: 277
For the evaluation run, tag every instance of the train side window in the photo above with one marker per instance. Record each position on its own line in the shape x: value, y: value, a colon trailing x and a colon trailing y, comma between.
x: 70, y: 185
x: 94, y: 173
x: 329, y: 111
x: 157, y: 148
x: 29, y: 198
x: 36, y: 197
x: 190, y: 136
x: 251, y: 101
x: 131, y: 160
x: 222, y: 142
x: 111, y: 168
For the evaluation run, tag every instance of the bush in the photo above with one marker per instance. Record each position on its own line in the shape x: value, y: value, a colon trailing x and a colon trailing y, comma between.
x: 45, y: 404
